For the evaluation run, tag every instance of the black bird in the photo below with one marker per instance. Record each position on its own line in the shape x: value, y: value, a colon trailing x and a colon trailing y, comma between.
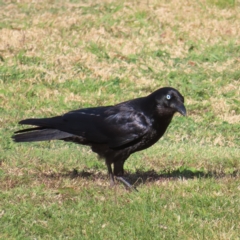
x: 113, y: 132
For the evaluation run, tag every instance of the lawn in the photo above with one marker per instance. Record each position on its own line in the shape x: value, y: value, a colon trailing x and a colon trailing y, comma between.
x: 56, y: 56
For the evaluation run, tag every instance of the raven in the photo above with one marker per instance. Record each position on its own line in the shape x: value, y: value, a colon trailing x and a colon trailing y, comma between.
x: 113, y: 132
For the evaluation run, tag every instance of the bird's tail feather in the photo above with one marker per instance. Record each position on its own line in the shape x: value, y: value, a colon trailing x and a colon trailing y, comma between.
x: 39, y: 134
x: 40, y: 122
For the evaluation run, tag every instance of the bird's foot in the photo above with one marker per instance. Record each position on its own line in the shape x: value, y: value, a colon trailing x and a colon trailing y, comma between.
x: 126, y: 184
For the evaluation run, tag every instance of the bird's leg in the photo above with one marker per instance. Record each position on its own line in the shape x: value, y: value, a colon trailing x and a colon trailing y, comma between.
x: 110, y: 172
x: 118, y: 173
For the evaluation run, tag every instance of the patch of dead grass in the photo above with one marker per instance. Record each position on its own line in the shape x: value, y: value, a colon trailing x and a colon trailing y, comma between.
x: 61, y: 39
x: 223, y: 110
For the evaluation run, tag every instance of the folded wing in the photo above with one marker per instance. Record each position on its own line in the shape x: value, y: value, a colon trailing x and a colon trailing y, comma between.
x: 113, y: 125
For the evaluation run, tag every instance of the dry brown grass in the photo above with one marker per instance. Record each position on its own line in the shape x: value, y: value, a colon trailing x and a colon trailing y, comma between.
x: 195, y: 21
x: 173, y: 26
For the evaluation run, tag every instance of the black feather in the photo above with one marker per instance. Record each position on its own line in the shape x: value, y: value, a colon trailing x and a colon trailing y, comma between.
x: 40, y: 135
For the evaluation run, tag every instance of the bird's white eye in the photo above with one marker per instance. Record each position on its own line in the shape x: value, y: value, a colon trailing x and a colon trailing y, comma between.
x: 168, y: 97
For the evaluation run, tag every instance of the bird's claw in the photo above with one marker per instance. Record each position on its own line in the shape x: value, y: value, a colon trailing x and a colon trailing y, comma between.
x: 126, y: 184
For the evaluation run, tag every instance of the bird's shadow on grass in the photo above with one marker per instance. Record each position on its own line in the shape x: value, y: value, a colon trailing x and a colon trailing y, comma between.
x: 150, y: 176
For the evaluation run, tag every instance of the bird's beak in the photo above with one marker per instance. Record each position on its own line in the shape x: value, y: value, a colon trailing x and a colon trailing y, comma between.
x: 181, y: 109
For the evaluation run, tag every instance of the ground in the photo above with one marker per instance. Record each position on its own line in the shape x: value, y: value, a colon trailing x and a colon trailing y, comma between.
x: 57, y: 56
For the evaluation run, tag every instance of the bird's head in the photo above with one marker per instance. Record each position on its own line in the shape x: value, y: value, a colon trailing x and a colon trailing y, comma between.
x: 168, y: 101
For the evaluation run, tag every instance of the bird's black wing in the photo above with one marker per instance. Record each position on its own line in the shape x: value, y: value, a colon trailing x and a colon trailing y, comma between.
x: 125, y: 126
x: 115, y: 126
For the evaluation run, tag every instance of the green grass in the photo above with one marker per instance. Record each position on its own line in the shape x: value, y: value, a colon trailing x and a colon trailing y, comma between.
x: 57, y: 56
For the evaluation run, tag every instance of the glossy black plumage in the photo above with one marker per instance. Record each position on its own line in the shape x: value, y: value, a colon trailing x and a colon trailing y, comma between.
x: 113, y: 132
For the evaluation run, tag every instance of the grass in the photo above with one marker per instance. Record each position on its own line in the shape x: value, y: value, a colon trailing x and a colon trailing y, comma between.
x: 56, y: 56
